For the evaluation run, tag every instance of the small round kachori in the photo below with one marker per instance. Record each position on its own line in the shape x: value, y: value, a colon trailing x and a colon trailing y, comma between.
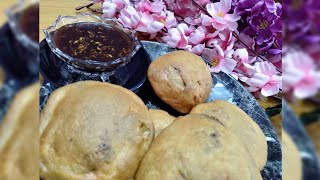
x: 161, y: 119
x: 180, y: 79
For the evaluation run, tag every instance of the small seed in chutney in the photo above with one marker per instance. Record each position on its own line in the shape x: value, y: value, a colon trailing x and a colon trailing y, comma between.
x: 93, y: 41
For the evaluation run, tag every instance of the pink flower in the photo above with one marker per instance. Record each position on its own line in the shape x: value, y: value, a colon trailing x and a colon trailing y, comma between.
x: 111, y: 7
x: 171, y: 20
x: 149, y: 24
x: 300, y: 74
x: 147, y: 6
x: 197, y: 49
x: 183, y: 8
x: 129, y: 17
x: 144, y: 6
x: 197, y: 36
x: 195, y: 21
x: 246, y: 40
x: 224, y: 39
x: 221, y: 61
x: 175, y: 38
x: 220, y: 19
x: 121, y: 3
x: 185, y: 29
x: 241, y: 55
x: 157, y: 6
x: 266, y: 78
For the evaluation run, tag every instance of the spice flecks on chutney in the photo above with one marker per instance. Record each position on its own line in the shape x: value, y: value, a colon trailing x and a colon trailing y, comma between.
x: 93, y: 41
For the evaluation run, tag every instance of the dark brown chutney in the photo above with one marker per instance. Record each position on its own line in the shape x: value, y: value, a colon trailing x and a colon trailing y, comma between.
x: 29, y: 22
x: 93, y: 41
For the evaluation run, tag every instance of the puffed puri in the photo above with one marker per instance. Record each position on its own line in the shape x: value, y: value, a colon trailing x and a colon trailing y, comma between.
x: 93, y: 130
x: 241, y: 124
x: 197, y: 147
x: 19, y: 143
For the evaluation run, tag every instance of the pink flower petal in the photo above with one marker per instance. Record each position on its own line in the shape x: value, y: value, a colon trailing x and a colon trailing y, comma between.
x: 258, y: 80
x: 248, y: 69
x: 183, y: 27
x: 232, y: 17
x: 146, y: 18
x: 171, y: 21
x: 228, y: 65
x: 120, y: 3
x: 183, y: 43
x: 305, y: 90
x: 270, y: 90
x: 198, y: 49
x: 196, y: 37
x: 206, y: 20
x: 212, y: 42
x: 265, y: 68
x: 193, y: 21
x: 291, y: 78
x: 144, y: 6
x: 219, y: 19
x: 219, y: 26
x: 209, y: 54
x: 215, y: 69
x: 219, y: 50
x: 109, y: 9
x: 225, y: 6
x: 155, y: 27
x: 232, y: 26
x: 157, y: 6
x: 211, y: 9
x: 241, y: 55
x: 125, y: 21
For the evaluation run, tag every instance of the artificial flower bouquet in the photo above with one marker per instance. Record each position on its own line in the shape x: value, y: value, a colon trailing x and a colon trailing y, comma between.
x: 242, y: 38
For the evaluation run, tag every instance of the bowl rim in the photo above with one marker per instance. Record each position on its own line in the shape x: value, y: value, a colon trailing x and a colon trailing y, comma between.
x: 13, y: 22
x: 89, y: 63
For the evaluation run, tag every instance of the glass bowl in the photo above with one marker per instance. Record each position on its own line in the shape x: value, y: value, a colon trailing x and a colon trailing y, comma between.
x: 89, y: 65
x: 14, y: 13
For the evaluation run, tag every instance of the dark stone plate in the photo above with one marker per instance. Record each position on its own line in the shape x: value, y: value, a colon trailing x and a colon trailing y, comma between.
x: 225, y: 88
x: 295, y: 129
x: 20, y: 66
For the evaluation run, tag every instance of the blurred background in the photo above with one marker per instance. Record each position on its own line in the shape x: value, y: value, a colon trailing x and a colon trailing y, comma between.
x: 19, y: 89
x: 301, y: 82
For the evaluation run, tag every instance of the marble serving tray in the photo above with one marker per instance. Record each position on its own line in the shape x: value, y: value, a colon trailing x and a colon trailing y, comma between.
x: 225, y: 88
